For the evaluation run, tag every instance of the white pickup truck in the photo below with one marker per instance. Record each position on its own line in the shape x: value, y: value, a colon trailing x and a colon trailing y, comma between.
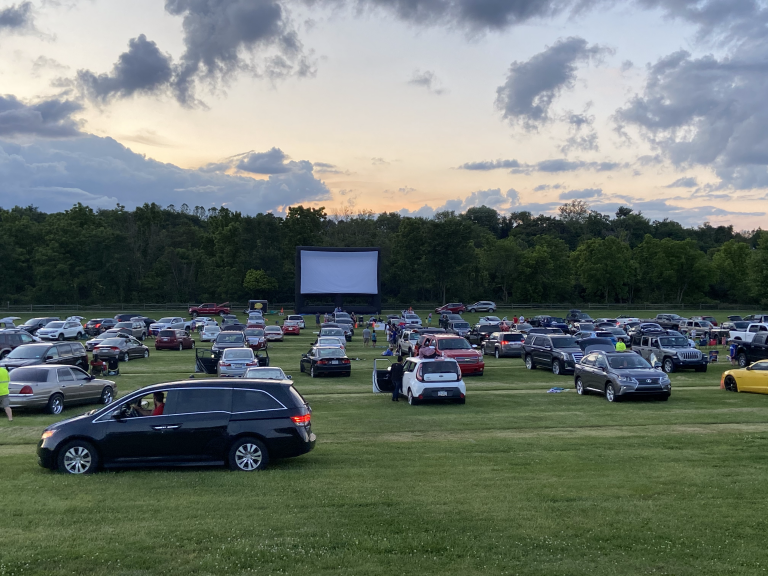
x: 749, y: 333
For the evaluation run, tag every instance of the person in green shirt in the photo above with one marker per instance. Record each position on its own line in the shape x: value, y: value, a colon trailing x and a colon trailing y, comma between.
x: 5, y: 400
x: 620, y: 346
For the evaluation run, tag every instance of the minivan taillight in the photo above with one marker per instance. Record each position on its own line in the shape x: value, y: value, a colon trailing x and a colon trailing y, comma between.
x: 302, y: 420
x: 26, y: 390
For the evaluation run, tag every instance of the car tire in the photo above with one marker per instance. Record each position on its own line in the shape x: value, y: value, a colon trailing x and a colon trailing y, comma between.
x: 491, y: 310
x: 668, y: 366
x: 497, y: 354
x: 60, y: 337
x: 610, y: 393
x: 557, y: 368
x: 146, y: 353
x: 741, y: 360
x: 412, y: 400
x: 181, y: 346
x: 55, y: 404
x: 77, y: 457
x: 312, y: 373
x: 126, y: 357
x: 193, y: 345
x: 80, y: 335
x: 529, y: 362
x: 248, y: 455
x: 730, y: 384
x: 107, y: 395
x: 301, y: 367
x: 580, y: 390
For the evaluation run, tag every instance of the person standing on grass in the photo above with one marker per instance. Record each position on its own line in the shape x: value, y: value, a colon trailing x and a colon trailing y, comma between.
x: 5, y: 399
x: 366, y: 337
x: 317, y: 319
x: 429, y: 319
x: 732, y: 351
x: 373, y: 338
x: 396, y: 375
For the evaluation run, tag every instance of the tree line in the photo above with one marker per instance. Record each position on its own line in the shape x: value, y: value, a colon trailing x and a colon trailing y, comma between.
x: 156, y: 254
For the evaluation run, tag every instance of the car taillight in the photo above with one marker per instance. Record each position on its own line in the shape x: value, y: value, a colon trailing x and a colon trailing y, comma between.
x: 345, y: 361
x: 302, y: 420
x: 115, y: 348
x: 419, y: 377
x: 26, y: 390
x: 252, y: 364
x: 322, y: 361
x: 224, y: 364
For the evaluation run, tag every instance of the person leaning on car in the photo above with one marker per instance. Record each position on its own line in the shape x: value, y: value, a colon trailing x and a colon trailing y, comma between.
x: 396, y: 374
x: 5, y: 399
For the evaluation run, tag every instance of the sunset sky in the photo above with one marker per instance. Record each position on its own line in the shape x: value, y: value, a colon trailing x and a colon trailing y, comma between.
x: 389, y: 105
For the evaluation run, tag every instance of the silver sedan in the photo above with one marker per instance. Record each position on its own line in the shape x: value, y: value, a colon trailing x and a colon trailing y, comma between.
x: 55, y: 386
x: 235, y: 361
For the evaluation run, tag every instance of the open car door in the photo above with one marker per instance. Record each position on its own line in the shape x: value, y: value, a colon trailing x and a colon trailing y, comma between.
x: 205, y: 361
x: 382, y: 383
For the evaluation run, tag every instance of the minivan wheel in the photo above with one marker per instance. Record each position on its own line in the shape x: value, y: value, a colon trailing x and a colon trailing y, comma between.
x: 580, y: 390
x: 668, y: 366
x: 557, y: 368
x: 55, y: 404
x: 78, y: 457
x: 248, y: 455
x: 529, y: 363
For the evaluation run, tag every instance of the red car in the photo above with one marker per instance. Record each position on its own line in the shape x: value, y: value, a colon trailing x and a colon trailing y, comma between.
x: 209, y: 309
x: 255, y: 338
x: 173, y: 340
x: 291, y: 327
x: 451, y: 346
x: 453, y: 308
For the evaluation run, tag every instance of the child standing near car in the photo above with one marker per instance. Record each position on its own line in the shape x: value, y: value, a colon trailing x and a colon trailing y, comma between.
x: 732, y: 353
x: 429, y: 319
x: 373, y: 338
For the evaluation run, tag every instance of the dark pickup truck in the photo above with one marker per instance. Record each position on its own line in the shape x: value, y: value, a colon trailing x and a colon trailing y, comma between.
x: 749, y: 352
x: 667, y: 321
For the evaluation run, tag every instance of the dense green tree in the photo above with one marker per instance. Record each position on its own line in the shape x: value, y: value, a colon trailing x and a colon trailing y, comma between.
x: 604, y: 267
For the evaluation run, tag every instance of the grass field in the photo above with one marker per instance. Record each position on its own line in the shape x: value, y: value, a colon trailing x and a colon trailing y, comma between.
x: 516, y: 481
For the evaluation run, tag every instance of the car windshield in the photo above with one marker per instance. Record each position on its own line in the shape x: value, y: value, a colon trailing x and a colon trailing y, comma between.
x: 238, y: 354
x: 568, y: 342
x: 411, y: 317
x: 111, y: 342
x: 674, y: 342
x: 512, y: 338
x: 165, y: 321
x: 439, y: 367
x: 342, y: 316
x: 124, y: 325
x: 461, y: 324
x: 26, y: 353
x: 329, y: 342
x: 617, y: 331
x: 558, y: 320
x: 330, y: 353
x: 29, y: 375
x: 229, y: 338
x: 740, y: 325
x: 453, y: 344
x: 254, y: 332
x: 586, y: 326
x: 332, y: 332
x: 33, y: 321
x: 267, y: 373
x: 54, y: 325
x: 627, y: 362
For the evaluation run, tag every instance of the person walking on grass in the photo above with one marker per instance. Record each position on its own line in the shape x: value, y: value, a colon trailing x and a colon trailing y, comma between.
x: 5, y: 399
x: 366, y: 337
x: 429, y: 319
x: 396, y: 375
x: 373, y: 338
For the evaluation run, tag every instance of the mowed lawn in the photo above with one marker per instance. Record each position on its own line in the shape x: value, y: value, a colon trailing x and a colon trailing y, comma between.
x: 517, y: 481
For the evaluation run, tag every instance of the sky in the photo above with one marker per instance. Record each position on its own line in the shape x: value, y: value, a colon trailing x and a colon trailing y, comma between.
x: 413, y: 106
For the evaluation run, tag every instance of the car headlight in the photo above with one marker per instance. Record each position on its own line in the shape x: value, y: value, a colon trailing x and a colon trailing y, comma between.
x: 48, y: 433
x: 665, y: 379
x: 627, y: 380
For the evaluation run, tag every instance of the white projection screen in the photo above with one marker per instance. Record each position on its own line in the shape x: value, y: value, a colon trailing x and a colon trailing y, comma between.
x: 339, y: 272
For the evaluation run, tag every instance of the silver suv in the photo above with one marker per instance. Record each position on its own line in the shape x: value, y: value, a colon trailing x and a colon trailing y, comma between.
x: 670, y: 348
x: 137, y: 327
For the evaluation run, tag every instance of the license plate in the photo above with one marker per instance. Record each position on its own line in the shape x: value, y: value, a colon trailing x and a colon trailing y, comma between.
x: 335, y: 362
x: 442, y: 393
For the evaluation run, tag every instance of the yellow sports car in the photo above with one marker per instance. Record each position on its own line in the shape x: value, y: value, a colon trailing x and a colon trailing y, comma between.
x: 753, y: 378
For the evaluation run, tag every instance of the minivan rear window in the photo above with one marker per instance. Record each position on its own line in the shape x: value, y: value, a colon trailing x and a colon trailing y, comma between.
x: 252, y: 401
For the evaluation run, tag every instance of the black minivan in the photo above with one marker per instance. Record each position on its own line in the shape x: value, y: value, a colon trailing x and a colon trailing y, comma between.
x: 241, y: 423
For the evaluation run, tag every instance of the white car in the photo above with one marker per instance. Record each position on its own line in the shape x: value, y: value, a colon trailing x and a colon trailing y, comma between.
x: 331, y: 342
x: 423, y: 379
x: 411, y: 318
x: 61, y: 330
x: 267, y: 373
x: 210, y: 331
x: 297, y: 318
x: 407, y: 342
x: 165, y: 324
x: 489, y: 320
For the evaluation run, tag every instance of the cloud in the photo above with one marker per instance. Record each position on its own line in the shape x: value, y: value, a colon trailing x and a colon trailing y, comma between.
x: 270, y: 162
x: 49, y: 118
x: 490, y: 165
x: 17, y: 18
x: 708, y: 111
x: 583, y: 136
x: 531, y: 87
x: 661, y: 209
x: 219, y: 35
x: 378, y: 161
x: 44, y: 63
x: 543, y: 187
x: 689, y: 182
x: 428, y: 80
x: 584, y: 194
x: 493, y: 198
x: 326, y: 168
x: 142, y: 69
x: 53, y: 174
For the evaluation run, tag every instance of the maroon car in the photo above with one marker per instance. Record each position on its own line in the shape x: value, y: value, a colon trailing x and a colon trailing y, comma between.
x: 173, y: 340
x: 453, y: 308
x: 209, y: 309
